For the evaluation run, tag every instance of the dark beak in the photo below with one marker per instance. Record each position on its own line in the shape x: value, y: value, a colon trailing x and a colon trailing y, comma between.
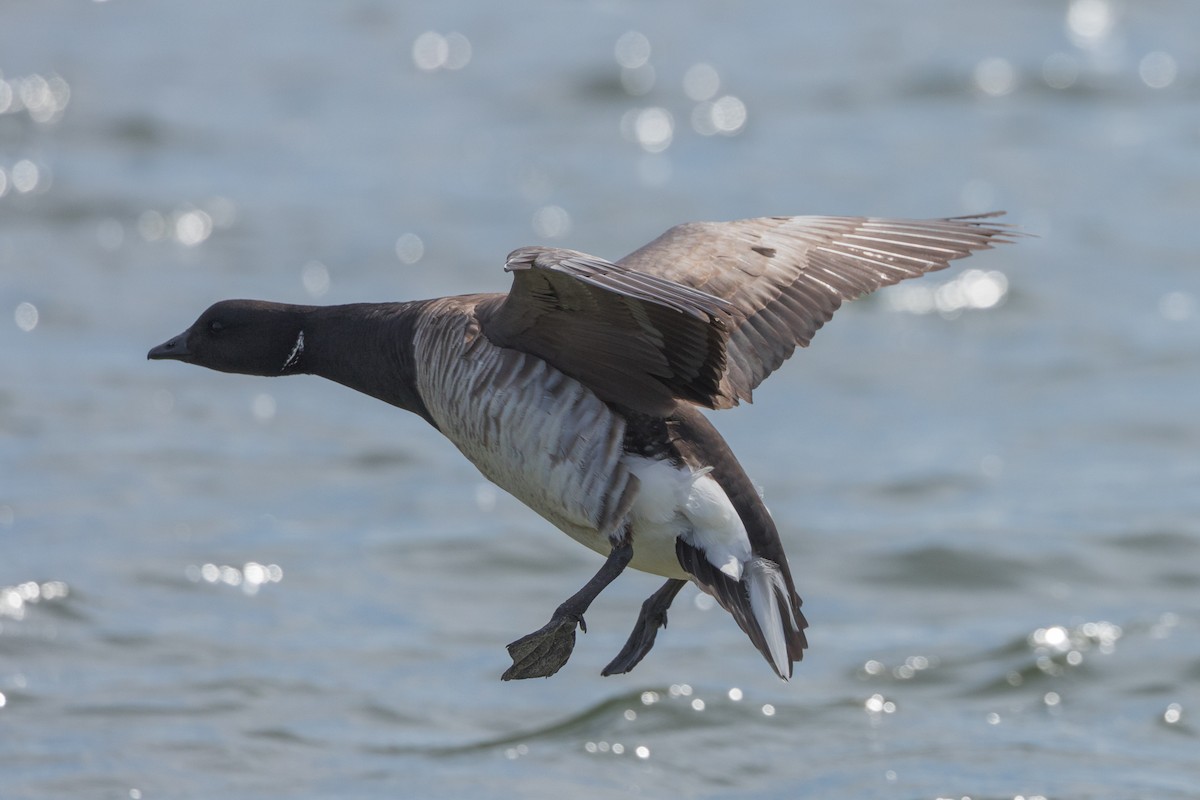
x: 174, y: 348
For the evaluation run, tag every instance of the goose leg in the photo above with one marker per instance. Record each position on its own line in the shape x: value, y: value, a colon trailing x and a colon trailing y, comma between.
x: 652, y: 617
x: 543, y: 652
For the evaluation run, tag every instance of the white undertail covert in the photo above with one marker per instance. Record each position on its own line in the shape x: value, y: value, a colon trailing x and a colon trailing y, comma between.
x: 685, y: 502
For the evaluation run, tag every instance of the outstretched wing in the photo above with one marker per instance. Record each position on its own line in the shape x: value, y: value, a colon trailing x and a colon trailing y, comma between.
x: 786, y: 276
x: 638, y: 340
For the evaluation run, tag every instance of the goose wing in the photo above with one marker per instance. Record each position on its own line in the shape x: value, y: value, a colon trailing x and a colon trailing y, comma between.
x: 786, y: 276
x: 639, y: 340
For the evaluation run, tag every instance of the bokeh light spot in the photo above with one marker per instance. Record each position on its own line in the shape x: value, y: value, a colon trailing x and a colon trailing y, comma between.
x: 315, y: 278
x: 250, y: 577
x: 653, y: 129
x: 25, y: 176
x: 430, y: 51
x: 701, y: 82
x: 263, y: 407
x: 878, y: 704
x: 1158, y: 70
x: 632, y: 49
x: 974, y: 289
x: 728, y: 115
x: 1177, y: 306
x: 26, y: 316
x: 43, y: 98
x: 995, y: 76
x: 551, y: 222
x: 192, y: 227
x: 409, y: 248
x: 486, y: 497
x: 1089, y: 22
x: 458, y: 50
x: 16, y: 600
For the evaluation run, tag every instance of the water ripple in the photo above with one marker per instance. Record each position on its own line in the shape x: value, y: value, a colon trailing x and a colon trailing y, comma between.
x: 950, y: 567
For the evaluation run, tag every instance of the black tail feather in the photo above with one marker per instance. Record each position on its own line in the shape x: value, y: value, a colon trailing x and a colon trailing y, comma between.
x: 734, y: 597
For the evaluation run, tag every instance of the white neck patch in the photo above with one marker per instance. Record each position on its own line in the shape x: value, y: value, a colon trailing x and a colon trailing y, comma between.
x: 294, y: 357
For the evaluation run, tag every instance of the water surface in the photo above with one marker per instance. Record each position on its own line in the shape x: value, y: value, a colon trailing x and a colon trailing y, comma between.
x: 217, y: 585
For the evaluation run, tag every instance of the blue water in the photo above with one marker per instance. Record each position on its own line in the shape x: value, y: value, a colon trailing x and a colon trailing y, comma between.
x: 222, y: 586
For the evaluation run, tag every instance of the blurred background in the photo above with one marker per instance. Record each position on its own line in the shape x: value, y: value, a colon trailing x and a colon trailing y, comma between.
x: 987, y: 480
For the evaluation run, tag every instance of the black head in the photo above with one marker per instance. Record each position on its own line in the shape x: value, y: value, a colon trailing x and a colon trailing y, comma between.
x: 251, y: 337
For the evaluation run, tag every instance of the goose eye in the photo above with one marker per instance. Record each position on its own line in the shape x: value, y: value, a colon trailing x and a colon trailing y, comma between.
x: 216, y: 326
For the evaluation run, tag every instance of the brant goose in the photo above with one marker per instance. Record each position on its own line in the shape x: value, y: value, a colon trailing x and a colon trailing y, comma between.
x: 578, y: 392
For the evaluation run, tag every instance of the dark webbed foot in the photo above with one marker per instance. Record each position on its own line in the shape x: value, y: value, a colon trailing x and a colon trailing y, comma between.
x: 652, y: 617
x: 542, y: 653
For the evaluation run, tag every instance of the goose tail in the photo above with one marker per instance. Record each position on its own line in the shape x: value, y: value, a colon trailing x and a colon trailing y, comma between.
x: 759, y: 600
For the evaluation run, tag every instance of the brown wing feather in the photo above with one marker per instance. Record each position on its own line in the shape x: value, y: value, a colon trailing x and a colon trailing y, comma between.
x: 786, y: 276
x: 638, y: 340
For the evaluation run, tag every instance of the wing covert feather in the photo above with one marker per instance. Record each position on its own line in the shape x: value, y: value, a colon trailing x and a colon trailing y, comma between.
x: 636, y: 339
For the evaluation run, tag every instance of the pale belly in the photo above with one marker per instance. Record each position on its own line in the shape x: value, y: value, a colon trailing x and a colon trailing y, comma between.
x: 546, y: 439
